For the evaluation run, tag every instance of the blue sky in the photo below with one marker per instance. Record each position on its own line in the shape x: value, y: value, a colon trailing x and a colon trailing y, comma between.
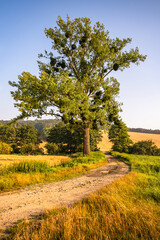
x: 22, y: 38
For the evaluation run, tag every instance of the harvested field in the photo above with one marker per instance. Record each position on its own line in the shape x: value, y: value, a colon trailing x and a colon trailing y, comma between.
x: 145, y: 136
x: 105, y: 145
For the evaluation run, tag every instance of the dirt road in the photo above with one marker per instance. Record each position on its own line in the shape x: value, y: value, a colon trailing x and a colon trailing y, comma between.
x: 32, y: 201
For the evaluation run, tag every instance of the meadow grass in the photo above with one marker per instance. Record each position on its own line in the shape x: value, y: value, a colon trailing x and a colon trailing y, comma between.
x: 22, y: 173
x: 127, y: 209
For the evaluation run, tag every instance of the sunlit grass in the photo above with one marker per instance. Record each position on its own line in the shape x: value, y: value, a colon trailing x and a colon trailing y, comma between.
x: 24, y: 172
x: 127, y: 209
x: 7, y: 159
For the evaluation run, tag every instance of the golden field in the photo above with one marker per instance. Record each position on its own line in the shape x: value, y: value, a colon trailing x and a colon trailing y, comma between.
x: 106, y: 145
x: 6, y: 159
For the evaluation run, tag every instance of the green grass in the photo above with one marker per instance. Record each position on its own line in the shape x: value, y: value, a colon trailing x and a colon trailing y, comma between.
x: 23, y: 173
x: 139, y: 163
x: 125, y: 210
x: 149, y: 166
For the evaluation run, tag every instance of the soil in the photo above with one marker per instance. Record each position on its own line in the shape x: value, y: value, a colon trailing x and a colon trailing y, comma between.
x: 32, y: 201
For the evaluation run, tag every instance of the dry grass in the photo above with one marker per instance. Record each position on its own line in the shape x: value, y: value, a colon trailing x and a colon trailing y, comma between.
x: 20, y: 171
x: 116, y: 212
x: 42, y: 145
x: 106, y: 145
x: 7, y: 159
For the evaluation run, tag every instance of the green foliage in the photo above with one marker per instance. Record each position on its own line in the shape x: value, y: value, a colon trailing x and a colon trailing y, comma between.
x: 28, y: 134
x: 64, y: 139
x: 31, y: 149
x: 24, y: 139
x: 41, y: 125
x: 73, y: 83
x: 118, y: 135
x: 145, y: 148
x: 5, y: 148
x: 9, y: 134
x: 52, y: 148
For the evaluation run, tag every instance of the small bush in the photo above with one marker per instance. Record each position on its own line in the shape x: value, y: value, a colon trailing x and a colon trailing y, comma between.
x: 145, y: 148
x: 31, y: 149
x: 52, y: 148
x: 5, y: 148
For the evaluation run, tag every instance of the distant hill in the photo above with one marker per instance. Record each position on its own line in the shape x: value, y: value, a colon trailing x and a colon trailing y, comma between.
x: 38, y: 124
x: 49, y: 123
x: 143, y: 130
x: 43, y: 126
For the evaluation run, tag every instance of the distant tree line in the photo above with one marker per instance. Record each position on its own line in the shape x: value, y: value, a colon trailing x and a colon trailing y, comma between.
x: 43, y: 126
x: 19, y: 139
x: 143, y: 130
x: 24, y: 139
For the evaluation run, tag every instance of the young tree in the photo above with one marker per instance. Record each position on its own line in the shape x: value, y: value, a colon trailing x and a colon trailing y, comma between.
x: 73, y: 82
x: 118, y: 134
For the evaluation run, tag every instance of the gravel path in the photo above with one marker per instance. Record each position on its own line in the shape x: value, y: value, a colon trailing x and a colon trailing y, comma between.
x: 32, y: 201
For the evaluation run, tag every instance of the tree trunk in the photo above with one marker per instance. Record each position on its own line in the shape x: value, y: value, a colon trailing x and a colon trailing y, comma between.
x: 86, y: 141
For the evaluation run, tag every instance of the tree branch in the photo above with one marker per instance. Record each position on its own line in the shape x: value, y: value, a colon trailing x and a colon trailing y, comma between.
x: 74, y: 68
x: 108, y: 73
x: 78, y: 126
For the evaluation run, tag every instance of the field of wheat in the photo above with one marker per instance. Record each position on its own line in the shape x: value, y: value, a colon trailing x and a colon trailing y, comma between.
x: 105, y: 144
x: 7, y: 159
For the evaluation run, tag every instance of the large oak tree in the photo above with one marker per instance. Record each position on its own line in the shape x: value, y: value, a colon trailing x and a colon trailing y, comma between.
x: 73, y: 83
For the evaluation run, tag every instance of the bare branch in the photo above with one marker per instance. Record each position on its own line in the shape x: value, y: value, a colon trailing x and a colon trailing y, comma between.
x: 108, y: 73
x: 91, y: 94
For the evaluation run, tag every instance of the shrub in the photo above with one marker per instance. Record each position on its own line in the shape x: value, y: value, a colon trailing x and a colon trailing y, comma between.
x: 31, y: 149
x: 52, y: 148
x: 145, y: 148
x: 5, y: 148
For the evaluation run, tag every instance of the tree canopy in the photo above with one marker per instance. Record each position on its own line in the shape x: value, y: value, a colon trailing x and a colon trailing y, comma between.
x: 73, y: 83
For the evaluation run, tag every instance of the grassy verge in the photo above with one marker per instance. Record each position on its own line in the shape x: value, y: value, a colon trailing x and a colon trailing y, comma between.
x: 127, y: 209
x: 27, y: 172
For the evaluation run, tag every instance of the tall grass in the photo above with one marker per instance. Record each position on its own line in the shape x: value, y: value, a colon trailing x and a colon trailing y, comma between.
x: 7, y: 159
x: 24, y: 173
x: 127, y: 209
